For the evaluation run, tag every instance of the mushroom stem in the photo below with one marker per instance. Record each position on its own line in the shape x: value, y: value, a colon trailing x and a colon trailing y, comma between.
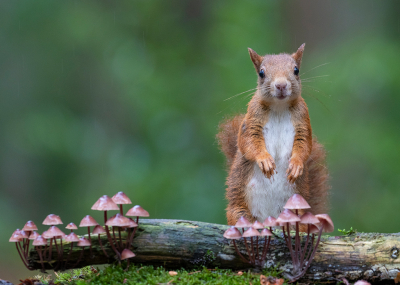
x: 238, y: 252
x: 58, y: 253
x: 257, y: 256
x: 131, y: 238
x: 109, y: 236
x: 50, y: 248
x: 120, y: 239
x: 115, y: 239
x: 19, y: 249
x: 90, y: 240
x: 39, y: 251
x: 69, y: 255
x: 297, y: 276
x: 80, y: 257
x: 120, y: 209
x: 101, y: 245
x: 289, y: 244
x: 305, y: 247
x: 128, y: 238
x: 252, y: 251
x: 266, y: 246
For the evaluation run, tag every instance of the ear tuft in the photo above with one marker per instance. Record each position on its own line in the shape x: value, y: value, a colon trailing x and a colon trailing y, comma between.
x: 297, y: 56
x: 255, y: 58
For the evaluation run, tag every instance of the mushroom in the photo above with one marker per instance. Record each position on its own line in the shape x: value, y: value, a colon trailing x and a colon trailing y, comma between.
x: 88, y: 222
x: 72, y: 227
x: 82, y: 243
x: 251, y: 232
x: 288, y: 217
x: 97, y: 231
x: 118, y: 221
x: 17, y: 237
x: 258, y: 226
x: 53, y: 233
x: 38, y: 243
x: 126, y: 254
x: 72, y: 237
x: 120, y: 198
x: 233, y: 233
x: 105, y: 203
x: 52, y: 220
x: 297, y: 202
x: 265, y: 233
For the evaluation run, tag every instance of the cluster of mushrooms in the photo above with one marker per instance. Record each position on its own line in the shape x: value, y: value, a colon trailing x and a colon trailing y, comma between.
x: 289, y: 219
x: 44, y: 243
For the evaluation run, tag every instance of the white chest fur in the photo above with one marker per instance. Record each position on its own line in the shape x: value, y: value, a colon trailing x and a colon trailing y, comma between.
x: 266, y: 197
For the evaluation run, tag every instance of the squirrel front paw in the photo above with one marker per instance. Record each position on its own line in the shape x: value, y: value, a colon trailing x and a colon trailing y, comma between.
x: 295, y: 169
x: 266, y: 164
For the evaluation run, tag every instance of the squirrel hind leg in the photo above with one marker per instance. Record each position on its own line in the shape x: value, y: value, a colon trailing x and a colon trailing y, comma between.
x: 234, y: 213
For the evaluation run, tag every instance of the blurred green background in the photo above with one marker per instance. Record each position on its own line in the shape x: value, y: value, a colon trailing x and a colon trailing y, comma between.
x: 98, y: 97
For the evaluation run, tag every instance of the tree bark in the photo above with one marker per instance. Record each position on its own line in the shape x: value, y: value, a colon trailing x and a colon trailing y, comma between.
x: 188, y: 244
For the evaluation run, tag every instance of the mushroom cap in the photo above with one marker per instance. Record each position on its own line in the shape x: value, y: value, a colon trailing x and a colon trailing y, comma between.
x: 20, y: 234
x: 105, y: 203
x: 83, y: 242
x: 53, y: 231
x: 40, y: 240
x: 71, y: 237
x: 71, y: 226
x: 308, y: 218
x: 16, y: 236
x: 287, y: 216
x: 314, y: 229
x: 34, y: 235
x: 88, y: 221
x: 251, y: 232
x: 232, y: 233
x: 98, y: 230
x: 257, y: 225
x: 265, y: 232
x: 326, y: 221
x: 296, y: 202
x: 118, y: 221
x: 121, y: 198
x: 30, y: 226
x: 126, y: 253
x: 137, y: 211
x: 243, y: 223
x: 52, y: 220
x: 270, y: 222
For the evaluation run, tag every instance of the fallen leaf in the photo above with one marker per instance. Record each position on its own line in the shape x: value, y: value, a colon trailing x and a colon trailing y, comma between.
x: 193, y: 272
x: 270, y: 280
x: 173, y: 273
x: 240, y: 273
x: 263, y: 280
x: 397, y: 279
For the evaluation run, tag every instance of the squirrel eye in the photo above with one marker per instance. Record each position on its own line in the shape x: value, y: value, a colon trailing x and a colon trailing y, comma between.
x: 296, y: 70
x: 261, y: 73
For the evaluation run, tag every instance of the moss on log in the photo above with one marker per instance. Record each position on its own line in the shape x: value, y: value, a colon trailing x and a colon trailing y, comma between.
x: 189, y: 244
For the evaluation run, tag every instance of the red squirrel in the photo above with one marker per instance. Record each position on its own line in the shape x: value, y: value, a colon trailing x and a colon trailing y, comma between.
x: 270, y: 151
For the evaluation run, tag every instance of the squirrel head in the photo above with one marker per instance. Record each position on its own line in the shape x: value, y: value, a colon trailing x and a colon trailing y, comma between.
x: 278, y: 75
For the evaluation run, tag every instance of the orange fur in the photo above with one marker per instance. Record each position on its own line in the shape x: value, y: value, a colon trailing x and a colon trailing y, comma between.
x: 241, y: 139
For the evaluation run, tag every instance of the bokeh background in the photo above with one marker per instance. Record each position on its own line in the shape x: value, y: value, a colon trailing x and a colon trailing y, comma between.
x: 98, y: 97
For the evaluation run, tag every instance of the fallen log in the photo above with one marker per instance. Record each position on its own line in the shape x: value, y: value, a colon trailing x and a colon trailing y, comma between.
x: 189, y: 244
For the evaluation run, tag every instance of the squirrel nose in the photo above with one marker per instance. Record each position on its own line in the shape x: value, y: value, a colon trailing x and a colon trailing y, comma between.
x: 280, y: 86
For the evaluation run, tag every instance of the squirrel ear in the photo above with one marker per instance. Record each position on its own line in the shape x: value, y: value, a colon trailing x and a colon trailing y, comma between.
x: 255, y: 58
x: 299, y: 54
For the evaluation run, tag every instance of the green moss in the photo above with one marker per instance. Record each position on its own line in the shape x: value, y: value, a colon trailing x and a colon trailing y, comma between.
x: 115, y: 274
x: 349, y: 232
